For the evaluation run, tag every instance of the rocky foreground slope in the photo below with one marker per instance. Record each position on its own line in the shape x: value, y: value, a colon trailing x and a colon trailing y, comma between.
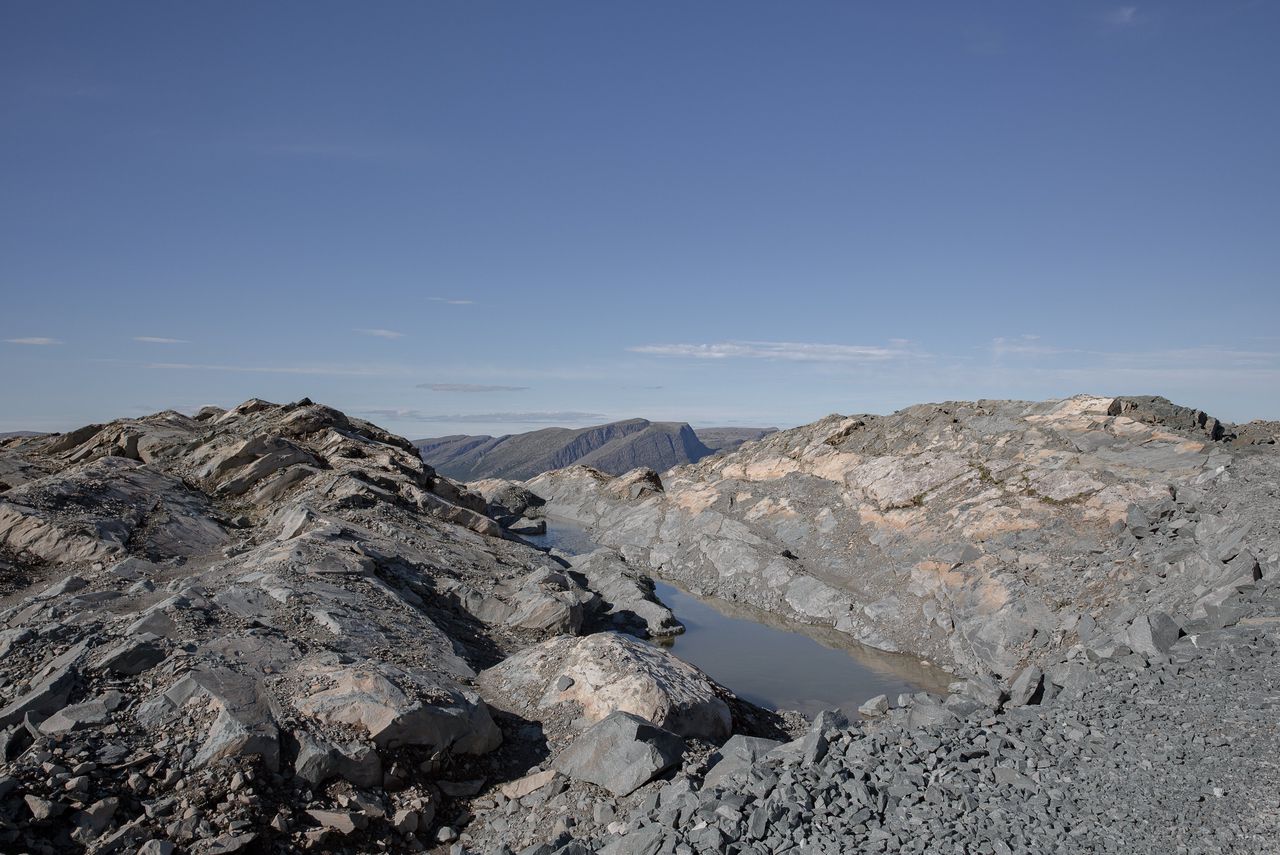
x: 274, y: 628
x: 261, y: 629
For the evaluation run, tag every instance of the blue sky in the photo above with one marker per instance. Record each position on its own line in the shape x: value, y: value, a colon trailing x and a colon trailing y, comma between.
x: 491, y: 217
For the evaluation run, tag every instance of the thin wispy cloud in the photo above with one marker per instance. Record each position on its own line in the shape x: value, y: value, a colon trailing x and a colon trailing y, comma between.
x: 789, y: 351
x: 65, y: 89
x: 39, y: 341
x: 155, y: 339
x: 551, y: 418
x: 1024, y: 345
x: 1212, y: 356
x: 469, y: 387
x: 452, y: 301
x: 379, y: 333
x: 1215, y: 357
x: 1122, y: 16
x: 316, y: 370
x: 335, y: 146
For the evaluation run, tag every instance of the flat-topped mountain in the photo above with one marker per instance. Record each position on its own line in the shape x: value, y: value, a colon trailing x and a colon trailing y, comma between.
x: 614, y: 448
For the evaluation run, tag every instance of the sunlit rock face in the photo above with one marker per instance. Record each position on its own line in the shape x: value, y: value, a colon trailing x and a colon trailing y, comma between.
x: 979, y: 534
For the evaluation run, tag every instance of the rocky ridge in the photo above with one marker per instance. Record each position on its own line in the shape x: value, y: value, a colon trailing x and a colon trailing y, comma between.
x: 1143, y: 725
x: 979, y: 535
x: 261, y: 629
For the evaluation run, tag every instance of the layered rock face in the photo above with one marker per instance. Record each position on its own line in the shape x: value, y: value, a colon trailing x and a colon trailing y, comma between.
x: 981, y: 535
x: 212, y: 628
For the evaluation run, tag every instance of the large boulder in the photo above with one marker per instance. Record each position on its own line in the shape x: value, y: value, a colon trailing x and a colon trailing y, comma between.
x: 547, y: 600
x: 550, y: 601
x: 609, y: 672
x: 628, y: 599
x: 621, y: 753
x: 394, y: 707
x: 506, y: 498
x: 317, y: 760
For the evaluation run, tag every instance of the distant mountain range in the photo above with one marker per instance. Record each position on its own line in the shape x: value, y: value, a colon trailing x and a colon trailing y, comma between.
x: 614, y: 448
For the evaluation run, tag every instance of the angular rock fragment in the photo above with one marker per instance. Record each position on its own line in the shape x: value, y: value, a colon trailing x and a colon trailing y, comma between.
x: 42, y: 809
x: 342, y: 822
x: 1026, y: 688
x: 134, y: 655
x: 522, y: 787
x: 1154, y: 634
x: 737, y: 754
x: 875, y: 707
x: 621, y: 753
x: 48, y: 695
x: 78, y: 716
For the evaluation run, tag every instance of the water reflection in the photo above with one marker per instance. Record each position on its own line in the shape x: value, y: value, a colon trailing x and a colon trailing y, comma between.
x: 780, y: 665
x: 772, y: 662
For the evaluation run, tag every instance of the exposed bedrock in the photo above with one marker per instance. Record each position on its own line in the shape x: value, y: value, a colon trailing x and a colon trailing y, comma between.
x: 274, y: 628
x: 261, y: 627
x: 979, y: 535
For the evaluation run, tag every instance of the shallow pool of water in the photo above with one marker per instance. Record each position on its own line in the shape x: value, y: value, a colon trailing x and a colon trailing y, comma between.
x: 566, y: 536
x: 771, y: 662
x: 781, y: 665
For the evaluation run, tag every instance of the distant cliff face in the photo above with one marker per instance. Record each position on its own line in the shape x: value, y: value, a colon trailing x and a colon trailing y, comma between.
x: 613, y: 448
x: 722, y: 440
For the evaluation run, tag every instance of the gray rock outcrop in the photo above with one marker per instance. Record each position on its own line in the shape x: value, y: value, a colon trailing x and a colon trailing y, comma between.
x: 979, y: 535
x: 214, y: 627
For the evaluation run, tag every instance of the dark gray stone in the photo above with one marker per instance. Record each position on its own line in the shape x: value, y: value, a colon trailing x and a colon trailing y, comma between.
x: 621, y: 753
